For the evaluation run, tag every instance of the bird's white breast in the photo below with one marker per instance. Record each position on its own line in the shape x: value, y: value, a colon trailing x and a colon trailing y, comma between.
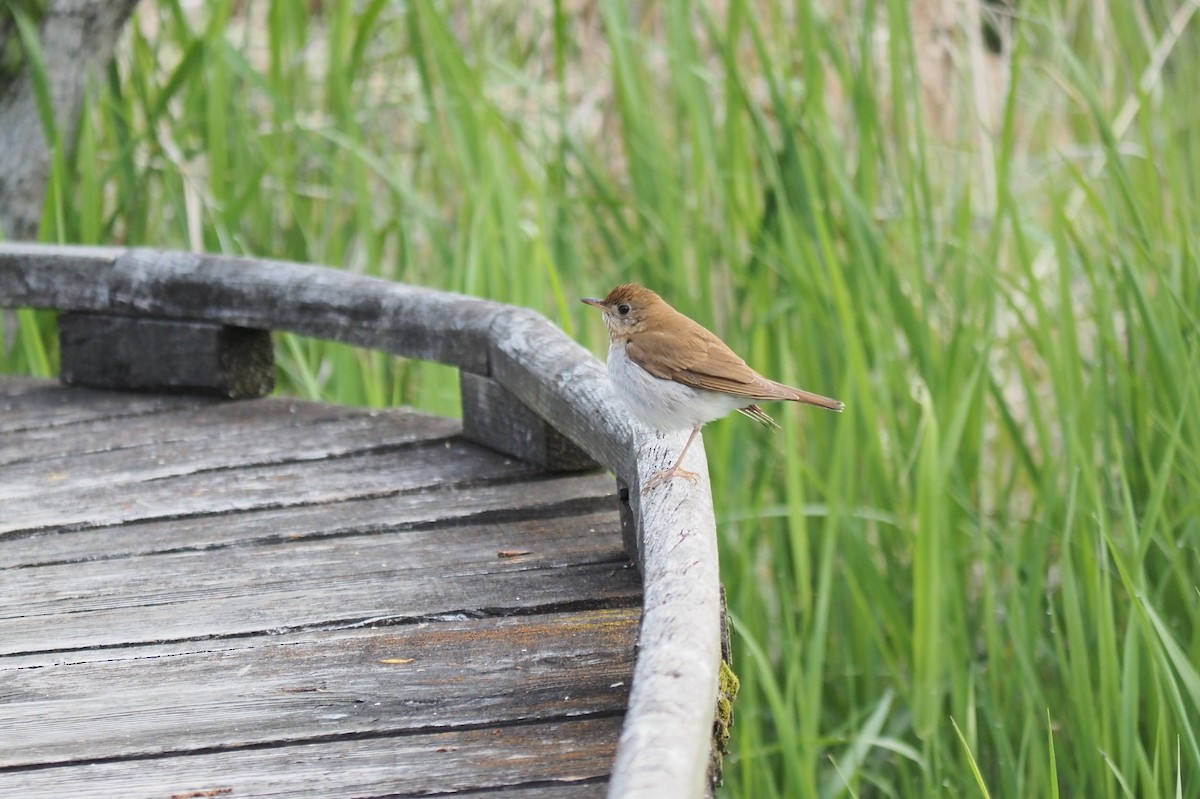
x: 664, y: 404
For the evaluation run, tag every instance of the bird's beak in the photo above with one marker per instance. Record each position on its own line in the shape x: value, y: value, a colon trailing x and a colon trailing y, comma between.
x: 595, y: 303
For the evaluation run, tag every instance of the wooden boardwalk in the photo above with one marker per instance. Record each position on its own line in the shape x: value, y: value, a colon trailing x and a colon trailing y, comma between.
x: 279, y: 598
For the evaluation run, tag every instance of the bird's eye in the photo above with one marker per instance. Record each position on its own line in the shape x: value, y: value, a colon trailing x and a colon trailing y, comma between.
x: 622, y: 309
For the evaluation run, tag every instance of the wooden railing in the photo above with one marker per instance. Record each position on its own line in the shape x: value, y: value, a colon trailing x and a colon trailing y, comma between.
x: 146, y: 318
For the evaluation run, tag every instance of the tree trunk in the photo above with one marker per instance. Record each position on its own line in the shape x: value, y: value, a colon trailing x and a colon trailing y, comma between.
x: 77, y: 38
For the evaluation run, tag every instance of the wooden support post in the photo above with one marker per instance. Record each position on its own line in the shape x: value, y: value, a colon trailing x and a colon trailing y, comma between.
x: 629, y: 526
x: 728, y: 686
x: 496, y: 419
x: 144, y: 354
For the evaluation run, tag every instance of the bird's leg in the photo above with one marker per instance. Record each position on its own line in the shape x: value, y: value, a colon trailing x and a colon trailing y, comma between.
x: 658, y: 478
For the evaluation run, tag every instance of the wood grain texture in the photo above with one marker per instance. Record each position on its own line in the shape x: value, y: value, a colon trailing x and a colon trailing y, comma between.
x: 216, y: 438
x: 667, y: 737
x: 355, y: 580
x: 273, y: 485
x: 673, y: 704
x: 83, y: 423
x: 440, y: 505
x: 45, y: 407
x: 148, y: 354
x: 288, y: 598
x: 319, y: 685
x: 254, y: 293
x: 212, y: 489
x: 492, y: 416
x: 553, y: 375
x: 569, y: 763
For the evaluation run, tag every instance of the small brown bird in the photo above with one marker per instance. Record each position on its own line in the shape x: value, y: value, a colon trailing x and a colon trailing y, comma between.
x: 674, y: 374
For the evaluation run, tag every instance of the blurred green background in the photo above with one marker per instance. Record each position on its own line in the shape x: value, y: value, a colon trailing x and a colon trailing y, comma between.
x: 983, y: 579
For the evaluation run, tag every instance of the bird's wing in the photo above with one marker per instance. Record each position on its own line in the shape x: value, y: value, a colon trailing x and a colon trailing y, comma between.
x: 699, y: 359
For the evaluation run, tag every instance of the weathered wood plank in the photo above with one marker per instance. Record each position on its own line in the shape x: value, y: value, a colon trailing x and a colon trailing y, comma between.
x: 319, y: 685
x: 286, y: 565
x: 268, y: 295
x: 47, y: 405
x: 495, y: 418
x: 528, y: 357
x: 666, y: 743
x: 347, y: 603
x: 227, y: 436
x: 421, y: 323
x: 30, y: 271
x: 567, y: 759
x: 422, y: 467
x: 328, y: 583
x: 439, y: 506
x: 190, y: 423
x: 148, y: 354
x: 667, y: 738
x: 12, y: 385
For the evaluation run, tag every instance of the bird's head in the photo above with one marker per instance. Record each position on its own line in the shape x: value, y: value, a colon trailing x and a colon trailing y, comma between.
x: 628, y: 309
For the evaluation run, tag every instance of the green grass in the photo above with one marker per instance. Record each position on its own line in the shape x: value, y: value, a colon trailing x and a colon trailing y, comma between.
x: 983, y: 579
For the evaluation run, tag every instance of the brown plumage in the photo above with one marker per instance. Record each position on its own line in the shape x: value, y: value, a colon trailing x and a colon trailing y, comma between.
x: 698, y: 377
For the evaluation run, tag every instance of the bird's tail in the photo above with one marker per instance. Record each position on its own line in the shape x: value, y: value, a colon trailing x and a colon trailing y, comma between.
x: 809, y: 398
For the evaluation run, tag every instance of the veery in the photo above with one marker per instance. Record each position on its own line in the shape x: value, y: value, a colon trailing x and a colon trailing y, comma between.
x: 674, y: 374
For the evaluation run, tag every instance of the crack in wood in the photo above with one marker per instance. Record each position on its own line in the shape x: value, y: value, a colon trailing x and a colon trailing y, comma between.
x: 563, y: 509
x: 278, y: 743
x: 631, y: 600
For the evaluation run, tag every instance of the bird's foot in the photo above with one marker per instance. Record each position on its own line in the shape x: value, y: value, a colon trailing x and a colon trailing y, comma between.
x: 658, y: 478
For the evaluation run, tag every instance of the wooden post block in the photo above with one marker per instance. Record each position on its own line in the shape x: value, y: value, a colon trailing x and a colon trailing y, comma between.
x: 496, y: 419
x: 629, y: 531
x: 152, y: 354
